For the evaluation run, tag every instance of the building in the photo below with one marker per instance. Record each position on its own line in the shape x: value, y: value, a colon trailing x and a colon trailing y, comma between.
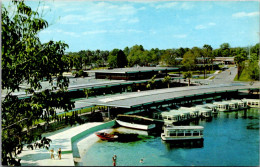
x: 135, y: 73
x: 224, y: 60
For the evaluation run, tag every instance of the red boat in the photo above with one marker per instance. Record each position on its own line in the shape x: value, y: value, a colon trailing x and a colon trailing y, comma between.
x: 106, y: 136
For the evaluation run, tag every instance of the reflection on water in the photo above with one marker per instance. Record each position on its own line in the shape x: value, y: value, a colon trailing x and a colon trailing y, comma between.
x: 170, y: 145
x: 230, y: 139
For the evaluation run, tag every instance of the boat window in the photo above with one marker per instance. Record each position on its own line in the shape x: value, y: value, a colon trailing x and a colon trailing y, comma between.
x: 188, y: 133
x: 180, y: 133
x: 195, y: 133
x: 172, y: 133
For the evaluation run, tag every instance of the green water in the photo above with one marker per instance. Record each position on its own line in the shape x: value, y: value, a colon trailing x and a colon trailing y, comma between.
x: 230, y: 139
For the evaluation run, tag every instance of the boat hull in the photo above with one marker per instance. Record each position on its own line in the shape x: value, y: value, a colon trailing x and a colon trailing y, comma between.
x: 105, y: 136
x: 171, y: 138
x: 136, y: 126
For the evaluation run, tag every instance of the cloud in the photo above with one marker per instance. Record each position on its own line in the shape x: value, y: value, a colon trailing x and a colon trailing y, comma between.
x: 244, y: 14
x: 60, y: 31
x: 92, y: 32
x: 199, y: 27
x: 103, y: 12
x: 176, y: 5
x: 166, y: 5
x: 186, y: 5
x: 204, y: 26
x: 180, y: 36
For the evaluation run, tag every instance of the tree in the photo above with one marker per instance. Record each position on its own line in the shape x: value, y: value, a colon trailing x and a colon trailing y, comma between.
x: 168, y: 57
x: 134, y: 56
x: 167, y: 79
x: 225, y: 49
x: 151, y: 83
x: 117, y: 58
x: 239, y: 60
x: 189, y: 60
x: 28, y: 61
x: 121, y: 59
x: 188, y: 75
x: 207, y: 54
x: 88, y: 92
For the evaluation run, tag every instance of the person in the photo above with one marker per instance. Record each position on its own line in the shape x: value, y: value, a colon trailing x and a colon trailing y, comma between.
x: 142, y: 160
x: 52, y: 153
x: 114, y: 160
x: 59, y: 153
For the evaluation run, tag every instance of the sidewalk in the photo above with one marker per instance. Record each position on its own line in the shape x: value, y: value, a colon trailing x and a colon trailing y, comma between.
x: 60, y: 139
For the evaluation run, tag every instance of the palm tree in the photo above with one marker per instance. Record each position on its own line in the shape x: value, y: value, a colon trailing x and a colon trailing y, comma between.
x: 188, y: 75
x: 167, y: 79
x: 151, y: 82
x: 88, y: 92
x: 207, y: 53
x: 239, y: 59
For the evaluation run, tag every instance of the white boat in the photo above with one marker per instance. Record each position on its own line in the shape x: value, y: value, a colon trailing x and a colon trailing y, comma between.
x: 182, y: 133
x: 241, y: 104
x: 135, y: 122
x: 193, y: 112
x: 233, y: 105
x: 222, y: 106
x: 252, y: 102
x: 171, y: 117
x: 213, y: 107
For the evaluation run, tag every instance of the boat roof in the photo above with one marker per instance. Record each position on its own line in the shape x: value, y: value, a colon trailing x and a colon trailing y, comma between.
x: 250, y: 99
x: 185, y: 127
x: 239, y: 101
x: 170, y: 113
x: 223, y: 103
x: 210, y: 105
x: 135, y: 116
x: 188, y: 109
x: 205, y: 110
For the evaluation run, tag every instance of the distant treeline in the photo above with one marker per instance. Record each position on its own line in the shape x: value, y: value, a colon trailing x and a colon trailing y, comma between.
x: 137, y: 55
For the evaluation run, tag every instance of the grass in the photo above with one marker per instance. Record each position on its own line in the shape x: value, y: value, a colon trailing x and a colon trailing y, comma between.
x: 85, y: 110
x: 99, y: 68
x: 231, y: 65
x: 196, y: 72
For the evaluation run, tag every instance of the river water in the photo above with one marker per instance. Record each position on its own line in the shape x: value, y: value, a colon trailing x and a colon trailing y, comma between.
x: 230, y: 139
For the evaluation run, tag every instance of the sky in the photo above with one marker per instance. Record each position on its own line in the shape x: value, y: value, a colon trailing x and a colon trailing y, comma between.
x: 106, y: 25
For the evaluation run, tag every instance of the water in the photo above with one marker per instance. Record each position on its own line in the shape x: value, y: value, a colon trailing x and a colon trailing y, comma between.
x: 230, y: 139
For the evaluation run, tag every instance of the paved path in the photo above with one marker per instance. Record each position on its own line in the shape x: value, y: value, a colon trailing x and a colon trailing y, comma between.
x: 60, y: 139
x: 226, y: 76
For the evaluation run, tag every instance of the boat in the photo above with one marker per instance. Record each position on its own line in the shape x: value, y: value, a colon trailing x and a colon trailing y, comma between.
x: 233, y: 105
x: 135, y: 122
x: 213, y: 107
x: 106, y: 136
x: 252, y: 102
x: 222, y: 106
x: 193, y: 112
x: 170, y: 117
x: 182, y: 133
x: 241, y: 104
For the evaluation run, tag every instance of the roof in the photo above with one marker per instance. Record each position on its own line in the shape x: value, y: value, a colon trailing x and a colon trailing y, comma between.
x: 133, y: 70
x: 135, y: 99
x: 185, y: 127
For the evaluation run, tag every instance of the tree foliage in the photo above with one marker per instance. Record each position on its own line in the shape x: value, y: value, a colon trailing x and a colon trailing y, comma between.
x: 25, y: 60
x: 188, y: 75
x: 167, y: 79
